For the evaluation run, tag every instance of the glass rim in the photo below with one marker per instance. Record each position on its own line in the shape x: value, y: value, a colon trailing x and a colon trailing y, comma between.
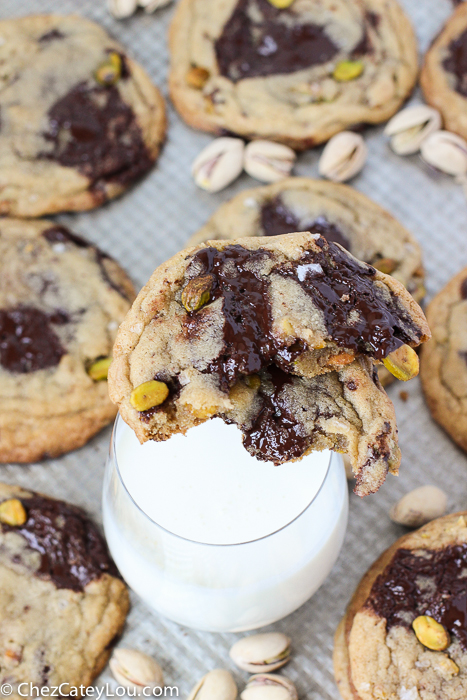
x: 113, y: 455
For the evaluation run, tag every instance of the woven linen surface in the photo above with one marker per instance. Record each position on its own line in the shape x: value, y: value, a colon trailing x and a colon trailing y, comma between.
x: 148, y: 225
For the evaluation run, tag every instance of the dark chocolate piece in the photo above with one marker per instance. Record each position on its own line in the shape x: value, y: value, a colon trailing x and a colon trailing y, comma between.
x: 456, y: 62
x: 424, y: 582
x: 276, y: 435
x: 277, y: 219
x: 93, y: 130
x: 357, y: 314
x: 73, y: 552
x: 28, y: 343
x: 273, y: 44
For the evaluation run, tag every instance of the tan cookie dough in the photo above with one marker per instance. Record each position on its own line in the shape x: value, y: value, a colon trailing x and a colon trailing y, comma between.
x: 61, y: 302
x: 265, y: 312
x: 444, y: 74
x: 76, y: 129
x: 443, y: 366
x: 297, y: 75
x: 381, y: 658
x: 62, y: 602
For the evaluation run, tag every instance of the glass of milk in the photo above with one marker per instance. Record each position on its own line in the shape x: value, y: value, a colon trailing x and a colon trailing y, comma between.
x: 214, y: 539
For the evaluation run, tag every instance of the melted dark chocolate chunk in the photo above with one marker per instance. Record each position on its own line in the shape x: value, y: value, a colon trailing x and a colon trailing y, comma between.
x: 275, y: 435
x: 248, y: 343
x: 51, y: 36
x: 456, y: 62
x: 277, y: 219
x: 356, y: 314
x: 27, y: 341
x: 425, y: 582
x: 464, y: 289
x: 73, y: 553
x: 251, y: 47
x: 93, y: 130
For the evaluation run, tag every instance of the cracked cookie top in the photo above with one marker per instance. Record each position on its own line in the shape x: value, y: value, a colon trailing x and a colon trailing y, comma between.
x: 296, y: 74
x: 218, y: 316
x: 80, y: 121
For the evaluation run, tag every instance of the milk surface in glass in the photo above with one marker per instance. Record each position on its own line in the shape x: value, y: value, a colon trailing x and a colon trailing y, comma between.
x: 213, y: 538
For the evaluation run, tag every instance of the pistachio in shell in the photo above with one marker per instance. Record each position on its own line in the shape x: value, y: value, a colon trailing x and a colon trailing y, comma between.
x: 269, y: 686
x: 215, y: 685
x: 261, y: 652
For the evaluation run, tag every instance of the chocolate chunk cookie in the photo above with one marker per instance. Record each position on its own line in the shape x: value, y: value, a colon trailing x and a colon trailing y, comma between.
x: 404, y: 635
x: 337, y: 212
x: 62, y: 601
x: 444, y: 74
x: 80, y: 120
x: 296, y: 73
x: 61, y: 301
x: 222, y: 329
x: 443, y: 368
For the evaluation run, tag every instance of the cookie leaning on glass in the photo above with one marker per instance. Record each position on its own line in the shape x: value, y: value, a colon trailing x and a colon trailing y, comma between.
x: 337, y: 212
x: 404, y: 633
x: 278, y: 336
x: 297, y: 71
x: 63, y: 602
x: 61, y: 301
x: 81, y: 121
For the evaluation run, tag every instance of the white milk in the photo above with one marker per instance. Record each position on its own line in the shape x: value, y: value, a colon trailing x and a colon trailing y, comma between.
x: 213, y: 538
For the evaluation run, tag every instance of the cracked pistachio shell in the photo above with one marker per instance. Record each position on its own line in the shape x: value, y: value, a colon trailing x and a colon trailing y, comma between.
x: 267, y: 686
x: 343, y: 157
x: 219, y: 164
x: 268, y: 161
x: 410, y: 127
x: 135, y: 670
x: 261, y: 652
x: 419, y: 506
x: 122, y: 8
x: 446, y: 152
x: 215, y: 685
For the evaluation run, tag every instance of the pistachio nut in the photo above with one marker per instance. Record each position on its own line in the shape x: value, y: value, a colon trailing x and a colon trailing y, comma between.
x: 99, y: 369
x: 386, y: 265
x: 122, y: 8
x: 347, y: 70
x: 430, y: 633
x: 268, y: 686
x: 446, y: 152
x: 152, y: 5
x: 197, y: 77
x: 268, y: 161
x: 261, y: 652
x: 218, y: 164
x: 419, y: 506
x: 134, y: 670
x: 343, y: 156
x: 410, y: 127
x: 12, y: 512
x: 148, y: 395
x: 402, y: 363
x: 197, y: 292
x: 281, y: 4
x: 215, y: 685
x: 109, y: 72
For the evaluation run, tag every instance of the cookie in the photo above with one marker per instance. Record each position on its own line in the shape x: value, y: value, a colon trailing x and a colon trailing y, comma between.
x: 444, y: 73
x: 337, y: 212
x: 295, y: 72
x: 61, y: 301
x: 62, y: 602
x: 443, y: 365
x: 216, y: 323
x: 81, y: 121
x: 376, y: 651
